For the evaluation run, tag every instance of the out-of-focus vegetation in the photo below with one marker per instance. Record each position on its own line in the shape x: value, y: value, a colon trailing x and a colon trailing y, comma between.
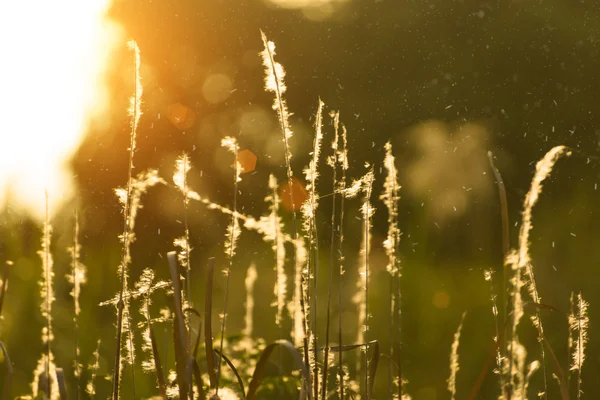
x: 443, y: 81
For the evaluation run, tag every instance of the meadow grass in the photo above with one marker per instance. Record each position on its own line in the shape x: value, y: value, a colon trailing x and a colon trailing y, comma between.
x: 233, y: 366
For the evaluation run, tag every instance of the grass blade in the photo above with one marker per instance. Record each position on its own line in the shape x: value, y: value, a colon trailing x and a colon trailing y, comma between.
x: 193, y: 371
x: 62, y: 387
x: 180, y: 359
x: 235, y: 372
x: 179, y: 330
x: 349, y: 347
x: 560, y: 375
x: 9, y: 373
x: 262, y: 363
x: 199, y: 382
x: 197, y: 341
x: 162, y: 387
x: 7, y: 264
x: 208, y: 342
x: 373, y: 365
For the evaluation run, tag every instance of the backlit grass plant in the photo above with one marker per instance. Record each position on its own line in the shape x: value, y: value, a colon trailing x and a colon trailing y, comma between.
x: 243, y: 366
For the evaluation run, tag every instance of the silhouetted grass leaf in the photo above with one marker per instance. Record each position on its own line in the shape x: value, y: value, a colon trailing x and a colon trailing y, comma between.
x: 349, y: 347
x: 262, y: 363
x: 197, y: 341
x: 564, y: 390
x: 373, y: 365
x: 179, y: 330
x: 235, y: 372
x: 4, y: 284
x: 162, y: 388
x: 62, y: 387
x: 210, y: 355
x: 199, y: 382
x: 9, y: 373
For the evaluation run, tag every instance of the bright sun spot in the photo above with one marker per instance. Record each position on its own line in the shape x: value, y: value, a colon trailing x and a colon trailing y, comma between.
x: 54, y: 54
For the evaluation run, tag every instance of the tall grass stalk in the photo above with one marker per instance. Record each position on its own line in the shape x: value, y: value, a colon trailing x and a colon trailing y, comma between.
x: 332, y: 161
x: 309, y: 214
x: 135, y: 113
x: 182, y: 167
x: 391, y: 198
x: 342, y: 159
x: 90, y: 388
x: 278, y: 246
x: 578, y: 326
x: 521, y: 262
x: 367, y: 213
x: 233, y: 233
x: 43, y: 379
x: 76, y: 278
x: 489, y: 277
x: 249, y: 282
x: 144, y: 285
x: 274, y: 74
x: 454, y: 364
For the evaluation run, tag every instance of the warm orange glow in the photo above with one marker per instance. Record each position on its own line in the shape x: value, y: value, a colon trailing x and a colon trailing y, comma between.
x: 53, y: 58
x: 247, y: 160
x: 300, y: 195
x: 181, y: 116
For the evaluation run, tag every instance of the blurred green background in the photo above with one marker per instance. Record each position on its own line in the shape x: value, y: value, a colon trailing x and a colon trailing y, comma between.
x: 443, y: 80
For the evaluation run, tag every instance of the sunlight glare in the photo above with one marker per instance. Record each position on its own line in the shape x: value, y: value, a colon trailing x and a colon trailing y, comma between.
x: 51, y: 84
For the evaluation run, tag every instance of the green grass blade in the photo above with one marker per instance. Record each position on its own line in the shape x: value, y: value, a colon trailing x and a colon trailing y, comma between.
x: 210, y: 355
x: 179, y: 330
x: 235, y: 372
x: 262, y: 363
x: 162, y: 387
x: 197, y: 341
x: 373, y: 366
x: 199, y: 382
x: 62, y: 387
x: 4, y: 283
x: 9, y: 373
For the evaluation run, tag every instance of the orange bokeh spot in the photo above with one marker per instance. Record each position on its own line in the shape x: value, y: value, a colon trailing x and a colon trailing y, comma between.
x: 247, y: 160
x: 299, y: 193
x: 181, y: 116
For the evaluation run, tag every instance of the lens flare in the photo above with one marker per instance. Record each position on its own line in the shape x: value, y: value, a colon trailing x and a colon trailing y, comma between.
x: 54, y: 55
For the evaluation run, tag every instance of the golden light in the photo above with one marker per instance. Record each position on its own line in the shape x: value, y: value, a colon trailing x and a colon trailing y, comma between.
x: 54, y: 54
x: 312, y: 9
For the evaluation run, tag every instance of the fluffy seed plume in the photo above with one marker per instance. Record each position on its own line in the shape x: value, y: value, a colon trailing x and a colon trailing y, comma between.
x: 233, y: 233
x: 578, y: 326
x: 144, y: 286
x: 76, y: 278
x: 274, y: 74
x: 135, y: 101
x: 361, y: 296
x: 391, y: 197
x: 128, y: 198
x: 521, y: 261
x: 182, y: 167
x: 43, y: 376
x: 454, y: 364
x: 90, y: 388
x: 278, y: 245
x: 249, y: 282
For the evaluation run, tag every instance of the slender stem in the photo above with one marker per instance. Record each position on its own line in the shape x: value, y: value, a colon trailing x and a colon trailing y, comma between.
x: 48, y: 295
x: 344, y: 164
x: 367, y: 299
x: 188, y: 281
x: 126, y: 225
x: 228, y: 272
x: 331, y: 263
x: 75, y: 256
